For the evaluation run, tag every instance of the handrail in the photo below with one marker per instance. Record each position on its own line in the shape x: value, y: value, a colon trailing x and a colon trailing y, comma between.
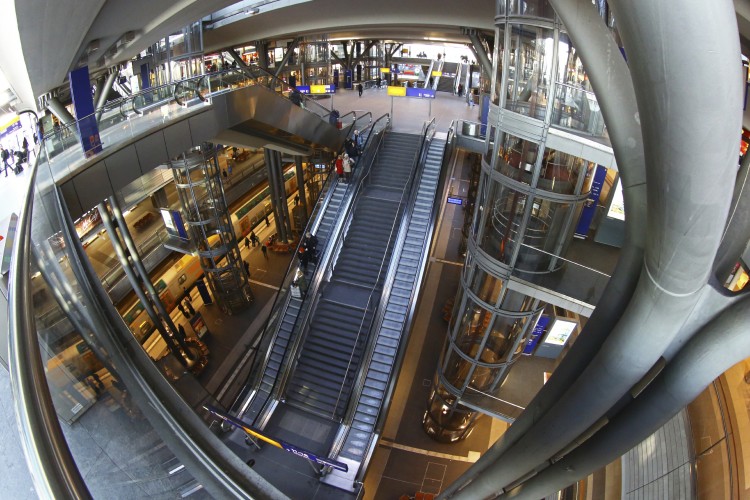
x: 48, y: 457
x: 280, y: 383
x: 278, y: 312
x: 428, y: 132
x: 391, y: 267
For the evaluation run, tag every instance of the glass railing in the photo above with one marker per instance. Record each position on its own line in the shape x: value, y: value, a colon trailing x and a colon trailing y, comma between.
x: 67, y: 374
x: 566, y: 277
x: 130, y: 116
x: 577, y: 109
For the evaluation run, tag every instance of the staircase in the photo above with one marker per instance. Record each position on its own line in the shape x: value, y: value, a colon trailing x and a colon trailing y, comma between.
x: 388, y: 341
x: 339, y: 326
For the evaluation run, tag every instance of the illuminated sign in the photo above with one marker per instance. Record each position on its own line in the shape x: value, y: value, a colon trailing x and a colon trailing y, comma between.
x: 455, y: 201
x: 316, y: 89
x: 421, y: 93
x: 10, y: 127
x: 560, y: 331
x: 437, y: 73
x: 617, y: 207
x: 385, y: 70
x: 278, y: 443
x: 173, y: 223
x: 396, y: 91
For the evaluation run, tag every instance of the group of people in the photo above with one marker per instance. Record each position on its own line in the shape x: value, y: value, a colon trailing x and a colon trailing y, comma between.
x: 20, y: 157
x: 344, y: 165
x: 186, y: 306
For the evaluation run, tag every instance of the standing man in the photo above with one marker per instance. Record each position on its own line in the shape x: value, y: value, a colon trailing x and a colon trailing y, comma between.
x: 247, y: 243
x: 5, y: 155
x: 264, y: 250
x: 360, y: 89
x: 253, y: 238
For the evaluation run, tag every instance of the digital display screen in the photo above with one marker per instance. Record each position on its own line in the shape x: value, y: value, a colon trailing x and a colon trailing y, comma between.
x: 560, y: 331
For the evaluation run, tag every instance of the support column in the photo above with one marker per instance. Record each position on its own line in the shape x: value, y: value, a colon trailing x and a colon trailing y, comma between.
x: 261, y: 47
x: 102, y: 97
x: 289, y: 51
x: 60, y: 112
x: 173, y: 344
x: 478, y: 50
x: 278, y: 195
x: 146, y: 280
x: 198, y: 180
x: 301, y: 185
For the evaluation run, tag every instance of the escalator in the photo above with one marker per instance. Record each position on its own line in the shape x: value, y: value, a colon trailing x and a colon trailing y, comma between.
x: 294, y: 308
x: 330, y: 356
x: 360, y: 427
x: 447, y: 81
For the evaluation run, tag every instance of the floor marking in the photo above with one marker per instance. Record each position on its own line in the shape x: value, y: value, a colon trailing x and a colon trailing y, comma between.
x: 473, y: 456
x: 443, y: 261
x: 425, y: 479
x: 272, y: 287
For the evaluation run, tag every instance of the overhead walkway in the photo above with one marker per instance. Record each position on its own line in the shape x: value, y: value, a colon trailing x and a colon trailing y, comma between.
x: 147, y: 129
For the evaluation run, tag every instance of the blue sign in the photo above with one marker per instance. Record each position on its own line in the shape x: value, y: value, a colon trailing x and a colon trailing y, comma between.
x: 589, y: 207
x: 316, y: 89
x: 418, y: 92
x: 536, y: 334
x: 83, y: 103
x: 455, y: 201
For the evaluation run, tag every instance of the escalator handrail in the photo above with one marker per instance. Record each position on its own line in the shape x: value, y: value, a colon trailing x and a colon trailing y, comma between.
x: 53, y: 469
x: 398, y: 235
x: 428, y: 131
x: 342, y: 214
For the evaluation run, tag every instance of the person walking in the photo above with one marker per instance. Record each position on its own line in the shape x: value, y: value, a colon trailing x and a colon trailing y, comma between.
x: 264, y: 250
x: 183, y: 310
x: 4, y: 154
x: 247, y: 267
x: 254, y: 238
x: 347, y: 167
x: 268, y: 223
x: 247, y: 243
x: 187, y: 294
x: 190, y: 307
x: 182, y: 331
x: 360, y: 88
x: 340, y: 167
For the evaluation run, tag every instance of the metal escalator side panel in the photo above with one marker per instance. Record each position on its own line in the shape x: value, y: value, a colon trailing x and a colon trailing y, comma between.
x: 358, y: 442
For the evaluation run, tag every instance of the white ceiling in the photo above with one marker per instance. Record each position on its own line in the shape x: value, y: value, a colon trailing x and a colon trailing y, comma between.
x: 51, y: 35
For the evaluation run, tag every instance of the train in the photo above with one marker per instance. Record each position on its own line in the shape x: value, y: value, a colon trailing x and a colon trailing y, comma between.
x: 173, y: 284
